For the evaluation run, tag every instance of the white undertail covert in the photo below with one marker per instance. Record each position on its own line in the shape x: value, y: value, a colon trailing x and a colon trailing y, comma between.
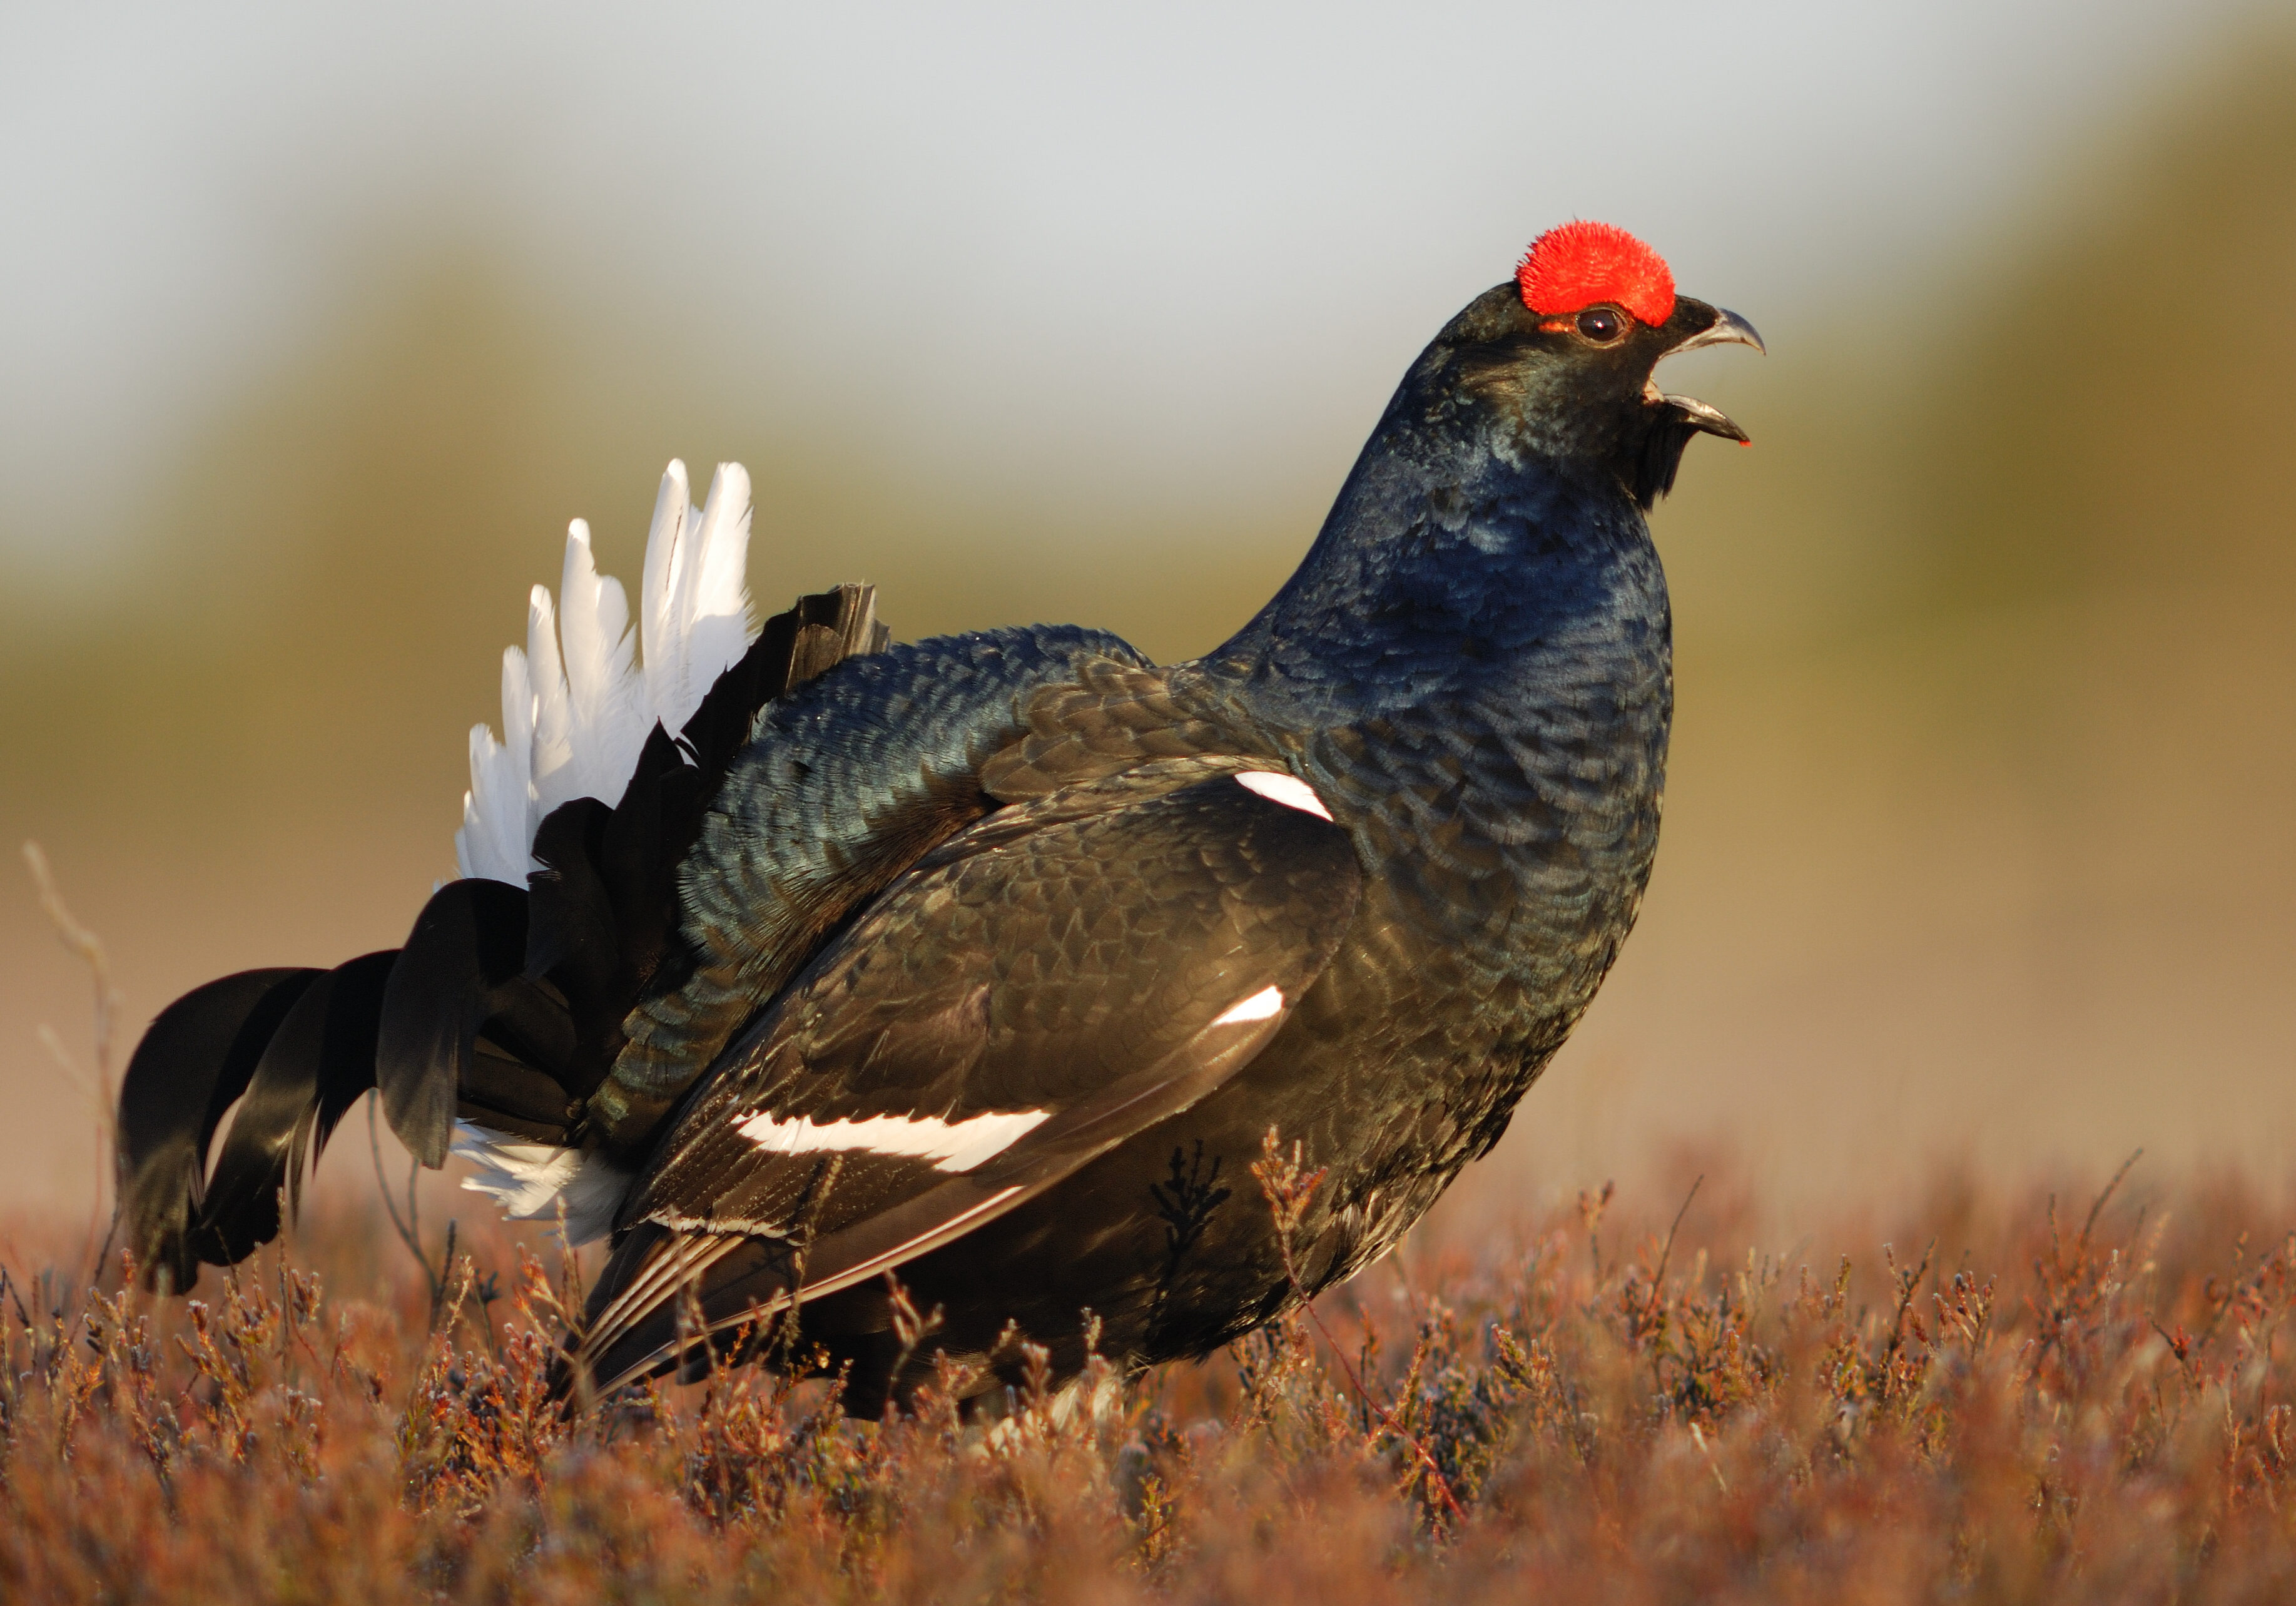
x: 578, y: 701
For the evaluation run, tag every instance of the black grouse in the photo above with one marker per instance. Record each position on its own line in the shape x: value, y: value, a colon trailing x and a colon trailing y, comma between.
x: 991, y: 960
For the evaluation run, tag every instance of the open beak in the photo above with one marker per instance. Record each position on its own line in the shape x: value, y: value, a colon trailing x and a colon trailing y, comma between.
x: 1729, y: 329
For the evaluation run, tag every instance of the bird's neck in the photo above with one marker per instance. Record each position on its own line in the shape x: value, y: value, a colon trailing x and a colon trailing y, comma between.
x: 1457, y: 568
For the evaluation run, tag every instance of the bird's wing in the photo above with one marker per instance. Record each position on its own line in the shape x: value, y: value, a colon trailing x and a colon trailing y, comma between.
x: 1058, y: 977
x: 840, y: 788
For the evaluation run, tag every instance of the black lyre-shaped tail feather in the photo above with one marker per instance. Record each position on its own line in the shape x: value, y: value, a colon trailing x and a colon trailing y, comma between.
x: 292, y: 1048
x: 504, y: 1007
x: 317, y: 1063
x: 460, y: 974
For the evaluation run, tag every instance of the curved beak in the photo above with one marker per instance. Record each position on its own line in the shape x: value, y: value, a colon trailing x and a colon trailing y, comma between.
x: 1727, y: 329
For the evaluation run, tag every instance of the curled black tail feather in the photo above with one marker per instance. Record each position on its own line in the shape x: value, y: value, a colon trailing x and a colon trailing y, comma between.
x: 200, y: 1055
x: 505, y: 1008
x: 459, y: 973
x: 317, y: 1064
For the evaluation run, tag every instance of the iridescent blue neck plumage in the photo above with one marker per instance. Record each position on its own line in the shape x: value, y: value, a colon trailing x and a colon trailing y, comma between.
x: 1454, y: 565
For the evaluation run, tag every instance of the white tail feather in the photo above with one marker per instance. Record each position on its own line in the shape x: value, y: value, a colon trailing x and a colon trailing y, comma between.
x: 675, y: 524
x: 602, y: 690
x: 576, y: 705
x: 697, y: 608
x: 715, y: 623
x: 553, y: 757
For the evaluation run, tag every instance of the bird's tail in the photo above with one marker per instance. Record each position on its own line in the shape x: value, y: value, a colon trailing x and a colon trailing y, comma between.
x: 503, y: 1011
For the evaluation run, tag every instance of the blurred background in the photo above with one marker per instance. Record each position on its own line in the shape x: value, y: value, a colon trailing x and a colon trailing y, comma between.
x: 1981, y: 842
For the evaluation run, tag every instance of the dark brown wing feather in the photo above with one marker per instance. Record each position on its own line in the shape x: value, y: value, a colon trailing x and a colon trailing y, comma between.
x: 1068, y: 963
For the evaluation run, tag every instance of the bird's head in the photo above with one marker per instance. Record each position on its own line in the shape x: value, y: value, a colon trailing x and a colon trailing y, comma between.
x: 1561, y: 359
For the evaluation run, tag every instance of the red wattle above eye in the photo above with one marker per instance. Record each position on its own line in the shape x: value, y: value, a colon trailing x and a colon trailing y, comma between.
x: 1576, y: 265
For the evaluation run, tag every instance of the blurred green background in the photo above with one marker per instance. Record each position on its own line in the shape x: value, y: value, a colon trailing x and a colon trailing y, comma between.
x: 1981, y: 842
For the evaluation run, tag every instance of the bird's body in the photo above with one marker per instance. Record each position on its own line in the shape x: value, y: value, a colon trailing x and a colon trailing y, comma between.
x: 998, y: 957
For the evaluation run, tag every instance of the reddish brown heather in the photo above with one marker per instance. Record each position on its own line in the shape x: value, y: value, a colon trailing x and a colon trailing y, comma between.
x: 2092, y: 1405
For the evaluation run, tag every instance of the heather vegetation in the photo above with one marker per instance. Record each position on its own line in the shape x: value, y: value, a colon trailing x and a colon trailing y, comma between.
x: 1985, y: 663
x: 2004, y: 1397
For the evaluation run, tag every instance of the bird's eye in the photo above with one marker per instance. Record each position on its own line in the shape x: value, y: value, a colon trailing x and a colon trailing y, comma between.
x: 1600, y: 325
